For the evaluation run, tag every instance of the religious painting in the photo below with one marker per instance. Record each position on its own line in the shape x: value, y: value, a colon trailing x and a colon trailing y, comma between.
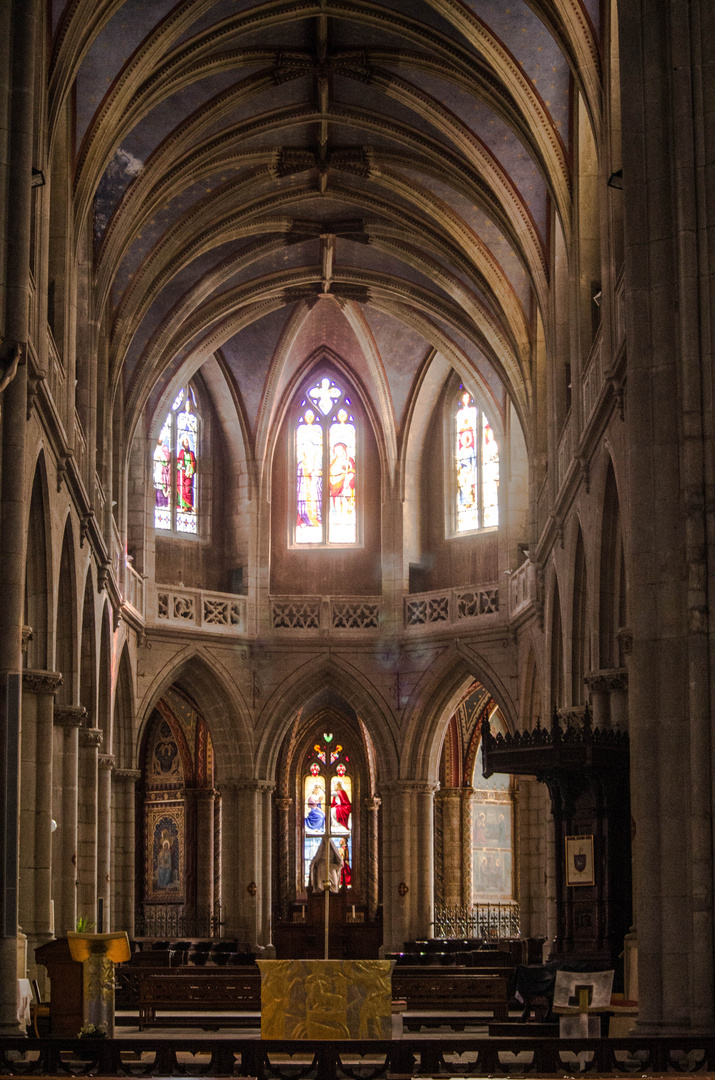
x: 165, y: 853
x: 491, y: 846
x: 579, y: 861
x: 309, y: 480
x: 164, y: 761
x: 342, y: 520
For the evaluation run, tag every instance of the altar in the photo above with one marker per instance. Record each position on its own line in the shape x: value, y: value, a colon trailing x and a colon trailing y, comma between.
x: 326, y: 999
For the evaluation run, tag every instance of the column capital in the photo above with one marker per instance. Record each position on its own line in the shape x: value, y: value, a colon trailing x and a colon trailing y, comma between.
x: 406, y: 787
x: 69, y: 716
x: 284, y: 803
x: 373, y: 803
x: 453, y: 792
x: 106, y: 761
x: 250, y: 784
x: 607, y: 680
x: 199, y: 793
x: 41, y: 682
x: 92, y: 736
x: 127, y: 776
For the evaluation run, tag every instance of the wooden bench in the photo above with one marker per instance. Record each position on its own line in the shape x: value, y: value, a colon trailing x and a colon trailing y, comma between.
x: 192, y: 992
x: 450, y: 989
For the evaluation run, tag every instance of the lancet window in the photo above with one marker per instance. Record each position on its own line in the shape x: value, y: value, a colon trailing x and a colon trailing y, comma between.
x: 176, y: 467
x: 325, y: 498
x: 475, y: 463
x: 328, y: 804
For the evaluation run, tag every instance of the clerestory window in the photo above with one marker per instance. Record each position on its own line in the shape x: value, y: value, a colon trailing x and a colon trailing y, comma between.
x: 474, y: 462
x: 326, y: 454
x: 176, y: 467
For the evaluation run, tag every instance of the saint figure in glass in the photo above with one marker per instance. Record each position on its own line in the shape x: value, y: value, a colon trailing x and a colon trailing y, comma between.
x: 490, y: 475
x: 466, y: 454
x: 343, y: 523
x: 162, y: 477
x: 340, y: 804
x: 309, y: 480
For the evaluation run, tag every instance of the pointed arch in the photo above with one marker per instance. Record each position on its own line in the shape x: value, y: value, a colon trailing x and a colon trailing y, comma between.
x: 580, y: 641
x: 556, y: 646
x: 612, y: 613
x: 104, y: 698
x: 38, y: 572
x: 88, y: 652
x: 123, y: 711
x: 66, y: 624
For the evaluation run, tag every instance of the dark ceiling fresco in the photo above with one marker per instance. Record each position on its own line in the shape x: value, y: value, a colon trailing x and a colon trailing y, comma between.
x: 378, y: 179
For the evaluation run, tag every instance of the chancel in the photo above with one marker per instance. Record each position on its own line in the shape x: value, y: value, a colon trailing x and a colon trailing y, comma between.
x: 356, y: 508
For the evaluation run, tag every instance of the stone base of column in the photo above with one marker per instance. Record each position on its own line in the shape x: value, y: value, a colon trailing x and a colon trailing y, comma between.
x: 8, y: 987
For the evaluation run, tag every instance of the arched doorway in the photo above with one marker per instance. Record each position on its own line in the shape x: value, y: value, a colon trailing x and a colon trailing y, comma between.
x: 179, y: 824
x: 327, y: 791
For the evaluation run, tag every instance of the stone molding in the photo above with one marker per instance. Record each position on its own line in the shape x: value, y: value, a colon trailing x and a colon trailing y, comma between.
x: 127, y: 775
x: 453, y: 792
x: 607, y: 680
x: 106, y: 761
x: 404, y: 787
x: 250, y: 785
x: 69, y: 716
x: 91, y: 737
x: 41, y: 682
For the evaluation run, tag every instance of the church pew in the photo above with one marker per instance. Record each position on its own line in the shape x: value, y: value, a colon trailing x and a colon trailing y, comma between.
x: 188, y: 991
x: 447, y: 989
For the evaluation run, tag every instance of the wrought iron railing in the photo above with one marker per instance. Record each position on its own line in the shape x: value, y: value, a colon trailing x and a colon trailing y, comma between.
x: 174, y: 921
x: 478, y: 921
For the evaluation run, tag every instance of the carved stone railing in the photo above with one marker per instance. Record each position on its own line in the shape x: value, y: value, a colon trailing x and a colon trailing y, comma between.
x: 445, y: 607
x: 592, y: 377
x: 197, y: 609
x: 134, y: 589
x: 522, y: 588
x: 325, y: 613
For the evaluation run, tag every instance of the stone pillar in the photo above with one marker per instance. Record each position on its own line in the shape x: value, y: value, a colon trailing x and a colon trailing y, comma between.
x: 467, y: 799
x: 105, y: 764
x: 67, y: 720
x: 266, y: 894
x: 124, y: 842
x: 408, y: 862
x: 218, y: 860
x: 204, y: 816
x: 39, y: 688
x: 284, y: 808
x: 373, y: 863
x: 90, y: 740
x: 451, y: 854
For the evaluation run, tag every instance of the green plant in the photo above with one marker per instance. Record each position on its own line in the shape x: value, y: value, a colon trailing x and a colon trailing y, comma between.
x: 84, y: 925
x: 92, y: 1031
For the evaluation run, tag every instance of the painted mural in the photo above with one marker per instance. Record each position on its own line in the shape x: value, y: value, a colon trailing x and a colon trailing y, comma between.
x: 165, y: 876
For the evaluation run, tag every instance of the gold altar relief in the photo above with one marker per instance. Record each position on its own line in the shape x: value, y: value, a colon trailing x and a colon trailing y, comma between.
x: 326, y: 999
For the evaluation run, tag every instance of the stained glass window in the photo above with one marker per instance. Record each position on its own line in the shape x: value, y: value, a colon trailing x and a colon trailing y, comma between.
x: 326, y: 445
x: 176, y: 466
x: 476, y: 458
x: 328, y: 771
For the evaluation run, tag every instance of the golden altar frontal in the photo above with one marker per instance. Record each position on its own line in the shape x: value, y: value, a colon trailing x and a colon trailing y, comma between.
x: 326, y: 999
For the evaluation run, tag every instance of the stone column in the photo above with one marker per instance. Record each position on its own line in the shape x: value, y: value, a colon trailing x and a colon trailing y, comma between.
x: 609, y: 699
x: 284, y: 808
x: 373, y: 864
x: 467, y: 799
x: 218, y: 860
x: 105, y: 764
x: 39, y: 688
x: 204, y: 811
x: 408, y: 862
x: 451, y: 854
x: 68, y: 720
x: 124, y: 842
x: 265, y: 928
x: 248, y: 867
x: 90, y: 740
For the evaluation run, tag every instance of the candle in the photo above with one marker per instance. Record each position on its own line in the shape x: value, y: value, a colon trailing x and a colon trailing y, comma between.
x: 353, y: 913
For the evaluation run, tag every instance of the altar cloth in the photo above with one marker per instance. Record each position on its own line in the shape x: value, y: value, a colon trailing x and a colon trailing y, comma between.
x: 326, y: 999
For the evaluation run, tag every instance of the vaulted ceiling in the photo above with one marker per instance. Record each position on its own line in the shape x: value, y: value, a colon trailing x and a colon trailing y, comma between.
x: 339, y: 171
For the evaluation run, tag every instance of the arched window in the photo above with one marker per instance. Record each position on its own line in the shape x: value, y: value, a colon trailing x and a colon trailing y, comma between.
x: 176, y: 469
x: 325, y: 445
x: 328, y: 770
x: 475, y: 462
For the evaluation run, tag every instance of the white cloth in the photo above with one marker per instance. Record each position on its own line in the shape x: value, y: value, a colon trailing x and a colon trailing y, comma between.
x: 24, y: 997
x: 317, y: 868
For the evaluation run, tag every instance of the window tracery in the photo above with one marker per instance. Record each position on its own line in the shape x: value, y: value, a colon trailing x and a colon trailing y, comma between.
x: 176, y: 467
x: 475, y: 463
x: 325, y: 447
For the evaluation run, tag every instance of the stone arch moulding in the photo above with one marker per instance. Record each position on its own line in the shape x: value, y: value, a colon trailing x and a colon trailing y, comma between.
x: 435, y: 698
x: 217, y: 695
x: 326, y: 673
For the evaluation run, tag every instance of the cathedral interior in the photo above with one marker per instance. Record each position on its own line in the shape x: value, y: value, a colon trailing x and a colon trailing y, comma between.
x: 357, y: 478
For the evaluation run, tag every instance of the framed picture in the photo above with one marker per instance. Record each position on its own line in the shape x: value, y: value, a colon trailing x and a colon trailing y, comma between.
x: 579, y: 860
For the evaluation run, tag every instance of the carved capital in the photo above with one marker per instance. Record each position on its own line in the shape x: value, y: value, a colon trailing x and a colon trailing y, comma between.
x: 250, y: 784
x: 69, y: 716
x: 572, y: 714
x: 106, y: 761
x: 41, y: 682
x: 625, y: 637
x: 284, y: 805
x: 607, y: 680
x: 91, y: 737
x: 127, y: 776
x: 373, y: 804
